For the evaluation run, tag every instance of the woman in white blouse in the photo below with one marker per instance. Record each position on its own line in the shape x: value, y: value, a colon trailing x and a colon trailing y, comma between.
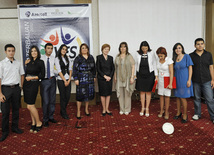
x: 64, y: 70
x: 165, y: 69
x: 146, y: 75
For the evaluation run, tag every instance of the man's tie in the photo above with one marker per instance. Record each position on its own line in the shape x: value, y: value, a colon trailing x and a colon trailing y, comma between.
x: 48, y: 69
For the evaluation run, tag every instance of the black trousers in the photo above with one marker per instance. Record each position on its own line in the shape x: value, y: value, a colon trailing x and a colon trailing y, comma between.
x: 13, y: 97
x: 65, y: 93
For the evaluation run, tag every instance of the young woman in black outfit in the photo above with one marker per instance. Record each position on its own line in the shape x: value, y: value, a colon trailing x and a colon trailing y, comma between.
x: 64, y: 69
x: 35, y: 70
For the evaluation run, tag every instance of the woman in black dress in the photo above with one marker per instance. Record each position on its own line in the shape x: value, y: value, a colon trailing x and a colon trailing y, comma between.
x: 146, y: 75
x: 84, y: 74
x: 105, y: 70
x: 35, y: 70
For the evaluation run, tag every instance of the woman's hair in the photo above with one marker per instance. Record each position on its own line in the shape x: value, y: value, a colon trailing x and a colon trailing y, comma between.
x: 161, y: 50
x: 37, y: 50
x: 80, y: 51
x: 174, y: 55
x: 59, y: 54
x: 127, y: 49
x: 104, y: 46
x: 144, y: 43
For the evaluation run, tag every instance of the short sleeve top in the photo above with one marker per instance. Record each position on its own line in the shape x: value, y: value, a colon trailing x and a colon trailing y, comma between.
x: 163, y: 69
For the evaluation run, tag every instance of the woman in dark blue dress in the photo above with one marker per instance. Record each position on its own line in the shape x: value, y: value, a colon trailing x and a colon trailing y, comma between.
x: 84, y: 74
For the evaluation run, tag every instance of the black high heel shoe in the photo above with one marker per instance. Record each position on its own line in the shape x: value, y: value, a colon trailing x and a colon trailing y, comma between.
x: 78, y: 117
x: 109, y: 113
x: 87, y: 114
x: 103, y: 114
x: 184, y: 120
x: 32, y: 128
x: 177, y: 117
x: 37, y: 129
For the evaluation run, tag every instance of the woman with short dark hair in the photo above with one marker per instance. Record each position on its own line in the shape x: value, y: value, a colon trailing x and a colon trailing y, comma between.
x: 34, y: 71
x: 84, y: 74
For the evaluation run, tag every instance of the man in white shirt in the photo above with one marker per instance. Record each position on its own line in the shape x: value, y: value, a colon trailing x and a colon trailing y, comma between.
x: 48, y: 86
x: 11, y: 71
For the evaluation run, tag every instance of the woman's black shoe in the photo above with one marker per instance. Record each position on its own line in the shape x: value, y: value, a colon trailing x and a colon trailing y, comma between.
x: 78, y: 117
x: 37, y: 129
x: 177, y: 117
x: 109, y: 113
x: 184, y: 120
x: 33, y: 127
x: 87, y: 114
x: 103, y: 114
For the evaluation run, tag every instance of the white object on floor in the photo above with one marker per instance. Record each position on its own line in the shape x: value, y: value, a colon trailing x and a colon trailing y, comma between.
x: 168, y: 128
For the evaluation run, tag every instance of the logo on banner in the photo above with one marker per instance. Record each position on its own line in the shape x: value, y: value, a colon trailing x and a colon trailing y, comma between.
x: 27, y: 14
x: 62, y: 35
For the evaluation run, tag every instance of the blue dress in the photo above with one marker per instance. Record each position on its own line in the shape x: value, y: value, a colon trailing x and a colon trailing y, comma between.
x: 182, y: 75
x: 84, y: 70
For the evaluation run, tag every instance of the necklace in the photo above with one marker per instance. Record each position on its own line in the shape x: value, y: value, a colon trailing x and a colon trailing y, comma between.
x: 179, y: 59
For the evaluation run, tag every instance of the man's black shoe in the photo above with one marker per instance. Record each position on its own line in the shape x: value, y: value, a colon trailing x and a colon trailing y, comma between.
x: 17, y: 130
x: 4, y: 136
x: 45, y: 124
x: 65, y: 117
x: 52, y: 121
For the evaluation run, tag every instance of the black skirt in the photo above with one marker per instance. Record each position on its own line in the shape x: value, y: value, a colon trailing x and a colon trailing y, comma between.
x: 30, y: 89
x: 145, y: 84
x: 105, y: 87
x: 145, y: 80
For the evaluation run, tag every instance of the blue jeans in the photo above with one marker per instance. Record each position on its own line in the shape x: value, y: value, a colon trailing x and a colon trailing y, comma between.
x: 208, y: 95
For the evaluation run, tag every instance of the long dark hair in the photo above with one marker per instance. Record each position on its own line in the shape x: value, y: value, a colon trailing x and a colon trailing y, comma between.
x: 59, y: 55
x: 174, y: 55
x: 144, y: 43
x: 37, y: 50
x: 127, y: 49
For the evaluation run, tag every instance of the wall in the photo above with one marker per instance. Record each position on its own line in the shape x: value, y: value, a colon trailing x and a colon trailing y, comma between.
x: 161, y: 23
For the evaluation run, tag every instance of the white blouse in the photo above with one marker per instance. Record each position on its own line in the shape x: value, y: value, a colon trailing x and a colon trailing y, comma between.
x: 58, y: 68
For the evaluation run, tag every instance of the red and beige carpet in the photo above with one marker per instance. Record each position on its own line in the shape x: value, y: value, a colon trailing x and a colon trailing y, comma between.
x: 117, y: 134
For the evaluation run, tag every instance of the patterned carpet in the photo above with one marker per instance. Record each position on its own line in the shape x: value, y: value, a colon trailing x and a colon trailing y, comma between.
x: 117, y: 134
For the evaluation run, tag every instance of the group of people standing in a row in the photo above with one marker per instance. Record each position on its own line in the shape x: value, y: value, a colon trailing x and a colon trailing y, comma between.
x: 194, y: 71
